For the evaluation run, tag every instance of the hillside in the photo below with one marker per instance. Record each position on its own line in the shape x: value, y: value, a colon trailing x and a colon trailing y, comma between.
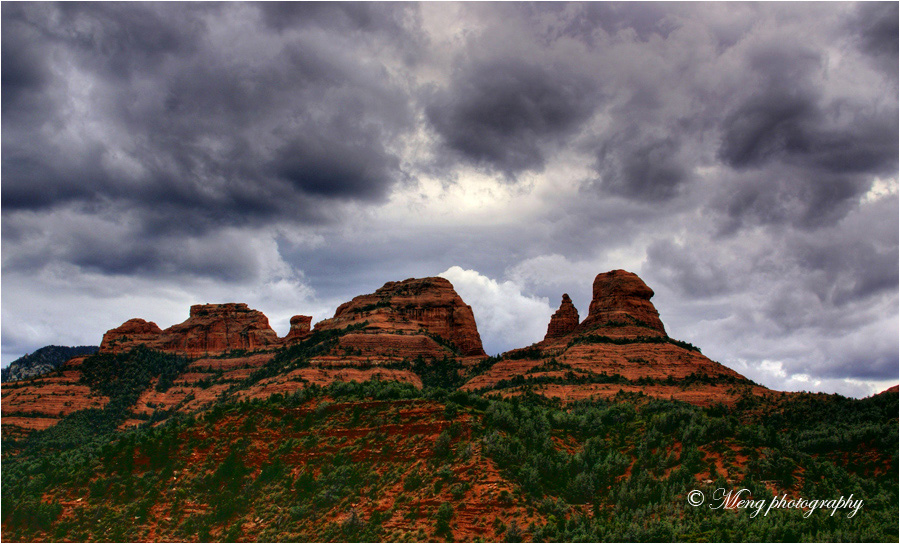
x: 384, y: 461
x: 388, y: 422
x: 43, y: 360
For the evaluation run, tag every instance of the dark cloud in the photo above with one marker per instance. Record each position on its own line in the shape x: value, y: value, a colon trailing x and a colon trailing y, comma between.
x: 181, y: 125
x: 344, y: 16
x: 336, y: 168
x: 876, y: 28
x: 122, y: 40
x: 24, y: 70
x: 868, y: 366
x: 797, y: 285
x: 792, y: 127
x: 765, y: 128
x: 108, y: 244
x: 395, y: 24
x: 641, y: 167
x: 799, y: 158
x: 863, y: 269
x: 786, y: 196
x: 32, y: 183
x: 504, y: 114
x: 694, y: 274
x: 589, y: 20
x: 223, y: 260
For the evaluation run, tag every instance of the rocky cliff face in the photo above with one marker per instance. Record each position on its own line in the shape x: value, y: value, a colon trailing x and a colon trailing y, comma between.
x: 38, y: 402
x: 564, y: 320
x: 424, y: 307
x: 211, y: 329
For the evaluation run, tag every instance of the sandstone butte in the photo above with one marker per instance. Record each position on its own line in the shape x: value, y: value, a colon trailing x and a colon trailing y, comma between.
x: 407, y: 318
x: 621, y: 345
x: 211, y: 329
x: 403, y: 310
x: 622, y: 336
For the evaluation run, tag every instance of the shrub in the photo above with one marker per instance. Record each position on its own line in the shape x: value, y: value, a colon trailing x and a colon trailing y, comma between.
x: 442, y: 518
x: 413, y: 481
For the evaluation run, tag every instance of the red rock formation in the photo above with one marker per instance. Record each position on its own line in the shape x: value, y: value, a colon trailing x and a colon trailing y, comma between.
x: 211, y: 329
x: 622, y: 298
x: 427, y: 306
x: 300, y: 328
x: 564, y: 320
x: 624, y: 336
x: 131, y: 333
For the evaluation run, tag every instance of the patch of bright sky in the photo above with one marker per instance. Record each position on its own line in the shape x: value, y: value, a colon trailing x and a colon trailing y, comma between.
x: 881, y: 188
x: 443, y: 23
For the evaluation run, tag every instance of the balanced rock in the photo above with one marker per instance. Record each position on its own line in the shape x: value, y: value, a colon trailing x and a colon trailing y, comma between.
x: 622, y: 299
x: 300, y: 328
x: 564, y: 320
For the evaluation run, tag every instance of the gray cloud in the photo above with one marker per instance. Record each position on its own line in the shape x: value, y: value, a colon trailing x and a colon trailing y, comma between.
x: 821, y: 299
x: 359, y: 169
x: 790, y: 127
x: 641, y: 167
x: 876, y: 27
x: 226, y: 137
x: 24, y: 70
x: 504, y: 113
x: 798, y: 155
x: 344, y: 16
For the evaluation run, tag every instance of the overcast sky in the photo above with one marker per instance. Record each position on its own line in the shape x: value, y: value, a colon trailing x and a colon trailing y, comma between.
x: 741, y: 158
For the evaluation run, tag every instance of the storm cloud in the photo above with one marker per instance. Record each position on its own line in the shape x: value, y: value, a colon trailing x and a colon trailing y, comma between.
x: 505, y: 113
x: 742, y: 158
x: 192, y: 108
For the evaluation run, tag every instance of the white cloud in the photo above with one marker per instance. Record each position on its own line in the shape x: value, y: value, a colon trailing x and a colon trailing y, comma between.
x: 506, y: 317
x: 773, y: 375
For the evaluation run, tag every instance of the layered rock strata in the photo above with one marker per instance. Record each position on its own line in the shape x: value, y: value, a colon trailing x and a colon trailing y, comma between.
x: 411, y: 317
x: 622, y: 345
x: 211, y: 329
x: 426, y: 307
